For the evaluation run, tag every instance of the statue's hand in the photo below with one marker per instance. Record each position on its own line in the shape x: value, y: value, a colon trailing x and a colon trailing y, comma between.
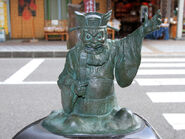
x: 153, y: 24
x: 80, y: 88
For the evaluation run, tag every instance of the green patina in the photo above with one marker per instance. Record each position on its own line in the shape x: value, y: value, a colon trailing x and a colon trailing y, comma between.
x: 87, y: 81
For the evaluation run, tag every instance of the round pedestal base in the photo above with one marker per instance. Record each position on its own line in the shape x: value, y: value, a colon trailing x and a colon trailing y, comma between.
x: 36, y: 131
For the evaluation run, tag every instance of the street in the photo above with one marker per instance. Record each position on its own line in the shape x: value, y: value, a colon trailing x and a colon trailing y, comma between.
x: 29, y: 92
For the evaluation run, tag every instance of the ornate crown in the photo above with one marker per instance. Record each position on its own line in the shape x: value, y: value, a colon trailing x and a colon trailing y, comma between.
x: 92, y: 20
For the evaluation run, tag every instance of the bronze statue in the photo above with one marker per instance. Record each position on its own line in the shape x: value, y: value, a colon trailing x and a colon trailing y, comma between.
x: 87, y: 81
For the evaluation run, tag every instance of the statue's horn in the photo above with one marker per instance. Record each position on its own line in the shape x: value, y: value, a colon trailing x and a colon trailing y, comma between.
x: 73, y: 29
x: 113, y: 28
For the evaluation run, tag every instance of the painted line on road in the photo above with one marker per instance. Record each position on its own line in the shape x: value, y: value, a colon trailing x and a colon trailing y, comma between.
x: 28, y: 83
x: 160, y: 81
x: 162, y: 65
x: 25, y: 71
x: 145, y: 49
x: 163, y: 60
x: 153, y: 49
x: 161, y: 71
x: 167, y: 97
x: 36, y: 82
x: 176, y: 120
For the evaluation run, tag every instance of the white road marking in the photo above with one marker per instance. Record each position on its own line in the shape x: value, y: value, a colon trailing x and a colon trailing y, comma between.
x: 167, y: 97
x: 145, y: 49
x: 25, y: 71
x: 160, y: 81
x: 28, y: 83
x: 160, y: 71
x: 176, y: 120
x: 162, y: 65
x: 163, y: 60
x: 36, y: 82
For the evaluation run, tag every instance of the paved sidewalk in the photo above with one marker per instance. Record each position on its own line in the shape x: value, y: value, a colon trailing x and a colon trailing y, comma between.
x: 42, y: 48
x: 163, y: 47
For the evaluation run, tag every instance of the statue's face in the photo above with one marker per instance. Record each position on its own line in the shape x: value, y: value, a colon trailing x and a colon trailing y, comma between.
x: 94, y: 38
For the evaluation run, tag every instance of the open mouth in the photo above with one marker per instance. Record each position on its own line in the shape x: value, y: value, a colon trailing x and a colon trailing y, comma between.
x: 92, y: 46
x: 94, y: 49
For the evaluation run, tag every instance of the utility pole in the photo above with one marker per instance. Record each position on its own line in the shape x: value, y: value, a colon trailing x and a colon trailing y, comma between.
x: 180, y: 19
x: 169, y: 10
x: 165, y: 7
x: 108, y: 5
x: 73, y: 36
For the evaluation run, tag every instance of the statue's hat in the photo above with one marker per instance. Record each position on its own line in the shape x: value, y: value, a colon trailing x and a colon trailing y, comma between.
x: 92, y: 20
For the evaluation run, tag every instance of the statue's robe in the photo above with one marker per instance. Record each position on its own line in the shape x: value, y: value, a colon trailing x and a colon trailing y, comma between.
x: 96, y: 111
x: 121, y: 55
x: 92, y: 109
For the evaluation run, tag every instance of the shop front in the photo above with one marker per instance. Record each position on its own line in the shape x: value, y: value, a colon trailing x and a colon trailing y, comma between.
x: 131, y: 13
x: 27, y: 18
x: 34, y: 18
x: 38, y: 18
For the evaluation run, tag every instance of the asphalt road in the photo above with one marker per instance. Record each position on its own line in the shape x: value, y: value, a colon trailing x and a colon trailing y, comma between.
x: 28, y: 92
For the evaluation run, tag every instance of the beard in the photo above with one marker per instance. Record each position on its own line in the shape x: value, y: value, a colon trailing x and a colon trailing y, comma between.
x: 97, y: 56
x: 94, y: 49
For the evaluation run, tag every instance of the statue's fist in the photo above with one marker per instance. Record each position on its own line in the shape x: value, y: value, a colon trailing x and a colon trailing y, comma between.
x: 153, y: 24
x: 80, y: 88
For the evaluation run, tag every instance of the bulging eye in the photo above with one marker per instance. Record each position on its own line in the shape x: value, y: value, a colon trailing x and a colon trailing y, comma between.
x: 88, y: 36
x: 99, y: 36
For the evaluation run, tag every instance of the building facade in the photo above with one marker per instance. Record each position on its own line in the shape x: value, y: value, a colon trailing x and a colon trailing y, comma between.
x: 27, y: 18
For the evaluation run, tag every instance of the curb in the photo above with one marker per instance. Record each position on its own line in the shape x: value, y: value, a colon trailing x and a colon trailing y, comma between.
x: 56, y: 54
x: 33, y: 54
x: 163, y: 54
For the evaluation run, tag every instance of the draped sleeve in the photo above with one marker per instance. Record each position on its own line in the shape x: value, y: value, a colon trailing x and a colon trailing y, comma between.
x: 128, y: 57
x: 67, y: 76
x: 66, y: 83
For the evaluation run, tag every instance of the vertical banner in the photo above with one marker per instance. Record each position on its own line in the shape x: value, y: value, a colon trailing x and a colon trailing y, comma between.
x: 184, y: 12
x: 3, y: 16
x: 89, y: 6
x: 2, y: 19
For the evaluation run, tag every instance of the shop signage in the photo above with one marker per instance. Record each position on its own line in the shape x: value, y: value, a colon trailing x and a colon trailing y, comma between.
x: 89, y: 6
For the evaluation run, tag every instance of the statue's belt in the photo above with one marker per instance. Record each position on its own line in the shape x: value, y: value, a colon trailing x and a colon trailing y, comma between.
x: 94, y: 106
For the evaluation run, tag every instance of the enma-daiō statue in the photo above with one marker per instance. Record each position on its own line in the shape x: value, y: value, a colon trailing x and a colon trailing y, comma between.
x: 87, y: 81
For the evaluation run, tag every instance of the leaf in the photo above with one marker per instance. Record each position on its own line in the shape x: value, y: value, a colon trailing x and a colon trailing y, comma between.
x: 80, y: 18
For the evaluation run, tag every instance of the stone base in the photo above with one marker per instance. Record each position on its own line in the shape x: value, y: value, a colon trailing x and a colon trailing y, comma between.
x: 36, y: 131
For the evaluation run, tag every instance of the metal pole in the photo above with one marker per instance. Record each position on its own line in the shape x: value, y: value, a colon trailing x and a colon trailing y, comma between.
x: 48, y: 10
x: 108, y: 5
x: 59, y: 10
x: 180, y: 19
x: 169, y: 10
x: 45, y: 10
